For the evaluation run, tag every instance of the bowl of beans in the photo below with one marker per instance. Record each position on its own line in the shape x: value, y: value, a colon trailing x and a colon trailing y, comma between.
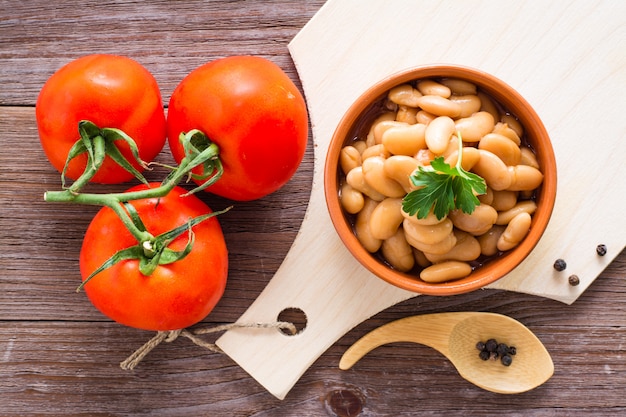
x: 440, y: 179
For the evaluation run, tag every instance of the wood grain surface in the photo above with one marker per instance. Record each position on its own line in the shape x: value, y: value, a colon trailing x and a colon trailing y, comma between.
x: 59, y: 356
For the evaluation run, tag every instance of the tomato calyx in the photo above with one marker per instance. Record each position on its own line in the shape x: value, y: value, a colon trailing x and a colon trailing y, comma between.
x: 155, y: 251
x: 98, y: 143
x: 196, y: 143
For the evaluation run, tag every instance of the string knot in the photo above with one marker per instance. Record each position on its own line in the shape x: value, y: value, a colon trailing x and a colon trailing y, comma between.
x: 169, y: 336
x: 172, y: 335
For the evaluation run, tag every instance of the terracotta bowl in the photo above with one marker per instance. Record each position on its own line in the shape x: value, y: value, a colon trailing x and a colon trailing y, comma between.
x: 360, y: 113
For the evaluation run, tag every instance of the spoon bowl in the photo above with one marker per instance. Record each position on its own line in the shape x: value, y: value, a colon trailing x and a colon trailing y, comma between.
x: 455, y: 336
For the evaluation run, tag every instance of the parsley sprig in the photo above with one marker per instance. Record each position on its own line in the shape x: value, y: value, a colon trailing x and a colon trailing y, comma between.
x: 443, y: 188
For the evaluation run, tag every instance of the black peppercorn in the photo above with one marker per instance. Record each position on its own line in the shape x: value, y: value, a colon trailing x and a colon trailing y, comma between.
x: 573, y: 280
x: 560, y: 265
x: 502, y: 349
x: 601, y: 250
x: 506, y: 360
x: 493, y: 350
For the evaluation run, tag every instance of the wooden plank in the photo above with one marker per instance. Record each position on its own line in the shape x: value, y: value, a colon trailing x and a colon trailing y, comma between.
x: 169, y: 39
x: 71, y: 368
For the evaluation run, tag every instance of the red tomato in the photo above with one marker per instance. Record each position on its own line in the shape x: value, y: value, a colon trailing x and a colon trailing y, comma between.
x: 175, y: 295
x: 110, y: 91
x: 256, y: 115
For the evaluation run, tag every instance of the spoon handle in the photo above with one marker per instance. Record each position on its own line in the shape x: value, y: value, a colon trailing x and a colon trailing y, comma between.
x: 432, y: 330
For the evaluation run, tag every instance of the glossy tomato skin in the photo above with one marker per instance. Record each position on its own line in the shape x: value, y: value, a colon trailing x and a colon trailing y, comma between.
x: 110, y: 91
x: 256, y: 115
x: 174, y: 296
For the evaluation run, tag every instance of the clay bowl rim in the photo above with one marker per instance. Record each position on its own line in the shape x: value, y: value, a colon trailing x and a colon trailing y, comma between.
x: 537, y: 136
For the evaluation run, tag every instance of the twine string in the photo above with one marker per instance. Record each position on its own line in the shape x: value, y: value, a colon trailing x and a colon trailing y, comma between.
x: 170, y: 335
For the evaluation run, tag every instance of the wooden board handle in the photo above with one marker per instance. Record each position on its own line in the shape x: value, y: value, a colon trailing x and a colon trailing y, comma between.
x: 334, y: 291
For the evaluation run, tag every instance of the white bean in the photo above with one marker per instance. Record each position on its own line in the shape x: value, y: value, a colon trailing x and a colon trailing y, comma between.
x: 445, y: 271
x: 425, y: 156
x: 504, y: 130
x: 486, y: 198
x: 429, y: 234
x: 400, y: 168
x: 515, y: 232
x: 386, y: 218
x: 351, y: 200
x: 436, y: 248
x: 360, y: 145
x: 405, y: 140
x: 469, y: 103
x: 466, y: 249
x: 374, y: 174
x: 438, y: 134
x: 429, y: 220
x: 423, y: 117
x: 504, y: 200
x: 440, y: 106
x: 405, y: 95
x: 513, y: 123
x: 420, y: 258
x: 487, y: 104
x: 501, y: 146
x: 524, y: 178
x: 362, y: 227
x: 356, y: 179
x: 470, y: 157
x: 528, y: 158
x: 397, y: 251
x: 476, y: 223
x: 406, y: 114
x: 493, y: 170
x: 381, y: 127
x: 474, y: 127
x: 527, y: 206
x: 458, y: 86
x: 489, y: 241
x: 430, y: 87
x: 349, y: 158
x: 375, y: 150
x: 384, y: 117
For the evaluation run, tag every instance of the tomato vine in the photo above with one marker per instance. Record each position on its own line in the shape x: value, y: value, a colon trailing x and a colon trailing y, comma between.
x: 151, y: 250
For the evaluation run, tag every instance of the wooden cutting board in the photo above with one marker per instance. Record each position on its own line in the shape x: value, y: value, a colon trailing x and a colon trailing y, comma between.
x: 567, y: 58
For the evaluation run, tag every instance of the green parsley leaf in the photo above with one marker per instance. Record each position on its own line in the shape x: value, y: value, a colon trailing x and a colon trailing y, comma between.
x: 443, y: 188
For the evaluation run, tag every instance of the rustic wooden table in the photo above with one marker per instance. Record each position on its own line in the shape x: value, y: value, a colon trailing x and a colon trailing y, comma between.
x: 59, y: 356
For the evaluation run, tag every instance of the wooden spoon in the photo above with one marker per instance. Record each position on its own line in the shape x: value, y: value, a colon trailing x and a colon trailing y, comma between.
x: 455, y: 335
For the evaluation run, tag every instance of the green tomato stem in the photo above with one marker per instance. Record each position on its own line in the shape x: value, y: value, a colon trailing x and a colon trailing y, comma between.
x: 95, y: 159
x: 97, y: 144
x: 115, y: 201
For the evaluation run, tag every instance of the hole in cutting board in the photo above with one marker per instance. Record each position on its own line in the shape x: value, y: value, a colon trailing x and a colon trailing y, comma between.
x: 295, y: 316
